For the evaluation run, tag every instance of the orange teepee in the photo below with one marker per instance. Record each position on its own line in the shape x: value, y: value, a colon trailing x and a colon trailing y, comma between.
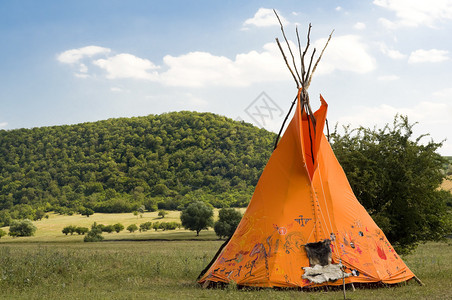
x: 302, y: 201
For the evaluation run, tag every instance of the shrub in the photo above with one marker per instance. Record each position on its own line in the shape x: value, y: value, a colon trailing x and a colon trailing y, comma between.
x: 22, y: 228
x: 2, y: 233
x: 132, y: 228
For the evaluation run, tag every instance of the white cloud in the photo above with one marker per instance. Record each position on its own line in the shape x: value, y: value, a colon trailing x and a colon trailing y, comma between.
x: 75, y: 55
x: 388, y: 77
x: 445, y: 94
x: 432, y: 56
x: 359, y: 26
x: 126, y: 65
x: 338, y: 8
x: 345, y: 53
x: 201, y: 69
x: 413, y: 13
x: 394, y: 54
x: 83, y: 68
x: 198, y: 69
x: 265, y: 17
x: 426, y: 112
x: 3, y: 124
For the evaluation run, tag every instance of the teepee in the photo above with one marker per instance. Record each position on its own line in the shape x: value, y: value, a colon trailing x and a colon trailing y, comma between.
x: 304, y: 226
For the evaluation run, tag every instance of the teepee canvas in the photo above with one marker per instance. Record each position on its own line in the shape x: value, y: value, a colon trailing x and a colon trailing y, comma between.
x: 304, y: 226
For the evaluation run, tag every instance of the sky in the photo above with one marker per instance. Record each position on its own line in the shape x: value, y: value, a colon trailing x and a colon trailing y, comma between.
x: 68, y: 62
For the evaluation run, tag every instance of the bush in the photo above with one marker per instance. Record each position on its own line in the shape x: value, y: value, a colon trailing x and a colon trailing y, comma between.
x: 132, y: 228
x: 2, y: 233
x: 155, y: 226
x: 22, y: 228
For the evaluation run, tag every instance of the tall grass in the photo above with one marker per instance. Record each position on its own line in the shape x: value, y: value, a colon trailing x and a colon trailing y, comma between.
x: 168, y: 270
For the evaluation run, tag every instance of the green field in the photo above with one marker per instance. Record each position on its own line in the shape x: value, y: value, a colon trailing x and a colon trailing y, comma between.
x: 51, y: 266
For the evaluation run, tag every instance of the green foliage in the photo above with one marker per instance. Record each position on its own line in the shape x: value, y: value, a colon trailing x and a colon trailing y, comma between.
x: 69, y: 229
x: 118, y: 165
x: 108, y: 228
x: 85, y: 211
x: 81, y: 230
x: 22, y: 228
x: 396, y: 178
x: 132, y: 228
x: 2, y: 233
x: 197, y: 216
x: 150, y: 204
x: 162, y: 213
x: 228, y: 220
x: 95, y: 234
x: 118, y: 227
x: 145, y: 226
x: 5, y: 218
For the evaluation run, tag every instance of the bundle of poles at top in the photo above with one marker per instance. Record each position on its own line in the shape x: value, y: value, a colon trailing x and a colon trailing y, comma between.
x: 302, y: 78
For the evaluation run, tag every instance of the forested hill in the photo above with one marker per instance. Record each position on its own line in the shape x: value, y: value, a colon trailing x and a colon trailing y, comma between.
x: 118, y: 165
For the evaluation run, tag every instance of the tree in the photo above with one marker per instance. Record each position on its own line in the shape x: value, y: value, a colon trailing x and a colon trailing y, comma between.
x: 197, y: 216
x: 22, y: 228
x: 396, y: 178
x: 145, y: 226
x: 132, y: 228
x: 86, y: 212
x: 118, y: 227
x: 228, y: 221
x: 69, y: 229
x: 162, y: 213
x: 81, y: 230
x: 2, y: 233
x: 94, y: 235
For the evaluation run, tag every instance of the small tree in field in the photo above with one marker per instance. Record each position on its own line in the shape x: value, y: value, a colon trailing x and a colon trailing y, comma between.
x: 132, y: 228
x: 197, y: 216
x: 94, y: 235
x: 118, y: 227
x: 228, y: 220
x: 2, y: 233
x: 86, y: 212
x: 162, y: 213
x: 81, y: 230
x: 69, y: 229
x: 22, y: 228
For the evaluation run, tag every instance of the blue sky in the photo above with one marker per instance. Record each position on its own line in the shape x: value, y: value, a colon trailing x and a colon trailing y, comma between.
x: 66, y: 62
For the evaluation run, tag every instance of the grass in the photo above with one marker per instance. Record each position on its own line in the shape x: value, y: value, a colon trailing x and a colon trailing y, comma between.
x: 49, y: 230
x: 168, y: 270
x: 54, y: 266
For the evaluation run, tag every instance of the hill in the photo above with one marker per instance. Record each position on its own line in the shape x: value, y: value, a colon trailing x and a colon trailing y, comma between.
x: 117, y: 165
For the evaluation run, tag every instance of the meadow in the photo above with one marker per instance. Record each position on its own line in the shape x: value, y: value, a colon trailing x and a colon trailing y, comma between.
x: 164, y: 265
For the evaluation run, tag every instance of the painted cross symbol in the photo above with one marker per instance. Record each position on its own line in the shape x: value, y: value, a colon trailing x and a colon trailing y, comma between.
x: 302, y: 221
